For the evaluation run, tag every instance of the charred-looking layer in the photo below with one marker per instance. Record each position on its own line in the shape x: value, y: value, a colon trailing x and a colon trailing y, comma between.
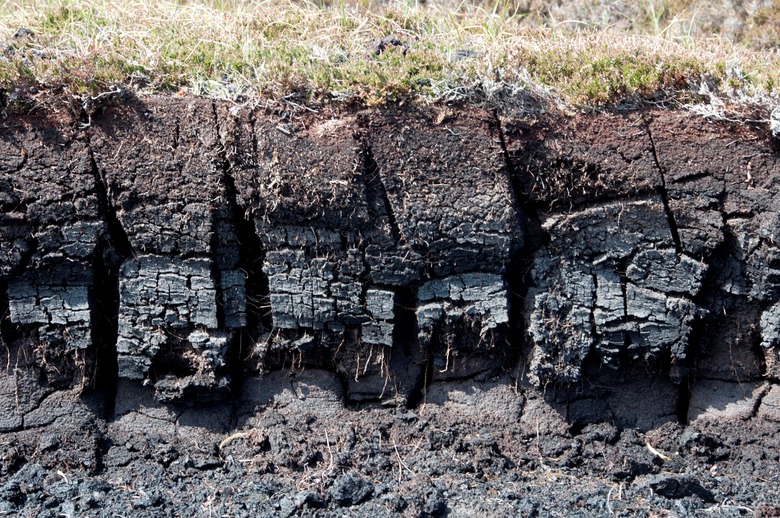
x: 378, y: 244
x: 295, y: 311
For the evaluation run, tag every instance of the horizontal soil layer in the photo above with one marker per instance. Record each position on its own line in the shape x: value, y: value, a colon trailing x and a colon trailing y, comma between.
x: 214, y: 309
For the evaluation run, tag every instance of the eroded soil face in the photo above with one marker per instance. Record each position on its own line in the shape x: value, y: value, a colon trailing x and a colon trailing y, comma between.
x: 209, y: 309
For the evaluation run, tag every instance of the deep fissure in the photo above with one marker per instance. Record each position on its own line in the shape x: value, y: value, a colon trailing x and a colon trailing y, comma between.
x: 252, y: 255
x: 113, y: 249
x: 376, y: 192
x: 684, y: 393
x: 405, y: 337
x: 664, y: 193
x: 517, y: 276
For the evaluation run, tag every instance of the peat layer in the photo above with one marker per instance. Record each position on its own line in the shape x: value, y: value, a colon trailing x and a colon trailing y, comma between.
x: 209, y: 308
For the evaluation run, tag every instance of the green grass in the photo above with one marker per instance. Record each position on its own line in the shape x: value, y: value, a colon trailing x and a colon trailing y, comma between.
x: 323, y: 54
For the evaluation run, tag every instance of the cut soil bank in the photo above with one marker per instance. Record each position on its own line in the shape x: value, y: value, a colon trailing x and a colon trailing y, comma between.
x: 209, y: 308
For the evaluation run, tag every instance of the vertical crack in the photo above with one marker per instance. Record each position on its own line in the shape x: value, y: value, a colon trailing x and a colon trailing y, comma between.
x: 684, y: 392
x: 251, y: 257
x: 5, y: 328
x: 406, y: 335
x: 376, y: 192
x: 409, y: 369
x: 116, y: 232
x: 594, y: 297
x: 517, y: 276
x: 684, y: 400
x: 16, y: 207
x: 664, y: 193
x: 176, y: 134
x: 524, y: 206
x: 223, y: 235
x: 112, y: 250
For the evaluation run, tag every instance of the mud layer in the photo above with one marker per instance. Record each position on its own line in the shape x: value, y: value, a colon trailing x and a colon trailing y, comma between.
x: 211, y: 309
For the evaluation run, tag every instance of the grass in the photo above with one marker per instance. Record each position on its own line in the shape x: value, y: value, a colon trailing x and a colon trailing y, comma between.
x: 503, y: 54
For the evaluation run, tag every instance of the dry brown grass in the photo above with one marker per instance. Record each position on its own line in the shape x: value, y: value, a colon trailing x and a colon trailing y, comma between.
x: 512, y: 55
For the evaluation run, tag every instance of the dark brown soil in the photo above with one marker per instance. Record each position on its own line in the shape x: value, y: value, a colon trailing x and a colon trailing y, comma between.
x: 217, y: 310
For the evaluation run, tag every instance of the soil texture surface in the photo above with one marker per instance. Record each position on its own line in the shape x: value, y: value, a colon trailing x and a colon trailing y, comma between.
x: 216, y: 310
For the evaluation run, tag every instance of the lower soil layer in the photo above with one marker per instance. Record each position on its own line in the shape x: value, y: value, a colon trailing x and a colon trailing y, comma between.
x: 291, y: 447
